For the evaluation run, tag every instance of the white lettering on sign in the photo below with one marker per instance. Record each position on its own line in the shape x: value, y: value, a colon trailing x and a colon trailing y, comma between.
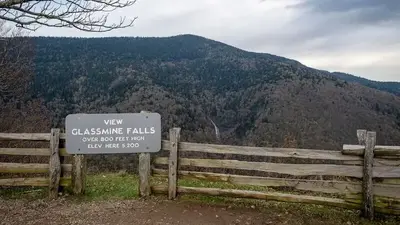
x: 93, y: 139
x: 112, y: 131
x: 112, y: 145
x: 145, y: 130
x: 113, y: 122
x: 130, y: 145
x: 137, y: 138
x: 97, y: 131
x: 95, y: 145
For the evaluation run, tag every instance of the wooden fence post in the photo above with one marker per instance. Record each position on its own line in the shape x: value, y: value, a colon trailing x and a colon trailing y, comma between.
x: 144, y: 175
x: 79, y: 174
x: 144, y: 171
x: 174, y: 136
x: 54, y: 164
x: 362, y: 136
x: 368, y: 196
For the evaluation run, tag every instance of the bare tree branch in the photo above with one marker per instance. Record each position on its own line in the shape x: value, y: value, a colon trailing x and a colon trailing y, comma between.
x: 85, y: 15
x: 18, y: 110
x: 15, y: 62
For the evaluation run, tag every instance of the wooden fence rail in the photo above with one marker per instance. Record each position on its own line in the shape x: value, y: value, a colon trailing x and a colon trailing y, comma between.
x: 379, y: 151
x: 54, y: 171
x: 324, y: 186
x: 287, y: 169
x: 363, y: 176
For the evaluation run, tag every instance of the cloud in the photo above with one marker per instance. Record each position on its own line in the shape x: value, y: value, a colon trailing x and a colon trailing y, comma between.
x: 354, y: 36
x: 351, y: 36
x: 361, y: 11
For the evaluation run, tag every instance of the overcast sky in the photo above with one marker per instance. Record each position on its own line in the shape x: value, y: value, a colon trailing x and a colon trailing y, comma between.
x: 361, y: 37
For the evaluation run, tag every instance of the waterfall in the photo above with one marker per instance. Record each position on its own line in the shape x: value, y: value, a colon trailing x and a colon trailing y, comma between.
x: 217, y: 135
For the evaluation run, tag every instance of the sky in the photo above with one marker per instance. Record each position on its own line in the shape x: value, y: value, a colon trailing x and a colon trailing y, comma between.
x: 360, y: 37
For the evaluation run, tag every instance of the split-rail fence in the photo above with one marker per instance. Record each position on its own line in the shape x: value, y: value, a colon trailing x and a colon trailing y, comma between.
x: 364, y: 176
x: 54, y: 173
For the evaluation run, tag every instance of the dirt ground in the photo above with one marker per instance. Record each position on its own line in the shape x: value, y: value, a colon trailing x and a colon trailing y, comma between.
x: 124, y: 213
x: 151, y: 211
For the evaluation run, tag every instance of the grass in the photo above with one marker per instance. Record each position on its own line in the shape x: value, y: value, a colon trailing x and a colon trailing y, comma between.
x: 98, y: 187
x: 125, y: 186
x: 111, y: 186
x: 23, y: 193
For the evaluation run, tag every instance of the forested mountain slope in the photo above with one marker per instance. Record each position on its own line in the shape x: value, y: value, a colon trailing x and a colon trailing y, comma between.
x: 392, y: 87
x: 255, y: 99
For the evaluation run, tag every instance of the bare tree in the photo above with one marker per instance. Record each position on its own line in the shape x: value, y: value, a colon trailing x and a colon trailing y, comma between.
x: 86, y: 15
x: 15, y: 62
x: 18, y: 111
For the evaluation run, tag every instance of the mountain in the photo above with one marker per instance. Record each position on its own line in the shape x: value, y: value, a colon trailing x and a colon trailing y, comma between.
x: 253, y: 98
x: 391, y: 87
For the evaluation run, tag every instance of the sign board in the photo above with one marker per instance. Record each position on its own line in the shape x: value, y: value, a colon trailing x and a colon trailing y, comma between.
x: 113, y: 133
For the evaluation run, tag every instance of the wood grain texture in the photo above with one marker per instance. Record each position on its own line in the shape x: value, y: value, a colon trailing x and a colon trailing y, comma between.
x: 32, y: 182
x: 54, y: 164
x: 279, y: 152
x: 31, y: 151
x: 263, y: 151
x: 275, y: 196
x: 367, y: 184
x: 174, y: 136
x: 144, y: 174
x: 144, y: 171
x: 29, y: 168
x: 29, y: 136
x: 26, y: 136
x: 287, y: 169
x: 324, y: 186
x: 361, y: 136
x: 25, y: 151
x: 79, y: 174
x: 379, y: 151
